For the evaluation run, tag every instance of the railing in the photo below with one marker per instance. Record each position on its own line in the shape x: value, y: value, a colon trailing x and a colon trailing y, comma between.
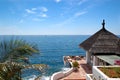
x: 89, y: 77
x: 61, y: 74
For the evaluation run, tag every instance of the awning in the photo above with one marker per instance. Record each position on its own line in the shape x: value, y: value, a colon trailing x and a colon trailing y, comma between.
x: 109, y: 58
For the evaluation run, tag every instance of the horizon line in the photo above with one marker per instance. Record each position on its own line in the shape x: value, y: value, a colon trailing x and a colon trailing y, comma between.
x: 52, y: 35
x: 41, y: 34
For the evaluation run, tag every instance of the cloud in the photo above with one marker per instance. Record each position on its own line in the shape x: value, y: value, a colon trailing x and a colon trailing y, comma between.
x: 43, y: 15
x: 71, y: 19
x: 43, y: 9
x: 36, y: 13
x: 79, y: 13
x: 30, y: 11
x: 34, y: 9
x: 57, y: 1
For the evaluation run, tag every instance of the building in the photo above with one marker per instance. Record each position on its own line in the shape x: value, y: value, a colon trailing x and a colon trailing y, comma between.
x: 102, y: 48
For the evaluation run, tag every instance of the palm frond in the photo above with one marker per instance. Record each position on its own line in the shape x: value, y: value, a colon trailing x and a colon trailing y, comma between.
x: 15, y: 49
x: 10, y: 72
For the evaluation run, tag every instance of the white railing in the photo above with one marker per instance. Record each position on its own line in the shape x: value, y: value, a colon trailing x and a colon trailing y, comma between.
x: 61, y: 74
x: 88, y: 77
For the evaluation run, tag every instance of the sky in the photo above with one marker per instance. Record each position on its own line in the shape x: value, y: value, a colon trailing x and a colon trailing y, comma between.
x: 58, y: 17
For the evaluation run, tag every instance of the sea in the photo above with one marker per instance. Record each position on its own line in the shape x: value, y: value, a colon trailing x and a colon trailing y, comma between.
x: 52, y: 49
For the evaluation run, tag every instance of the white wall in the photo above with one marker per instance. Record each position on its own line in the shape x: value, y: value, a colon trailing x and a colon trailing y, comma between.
x: 99, y: 75
x: 61, y: 74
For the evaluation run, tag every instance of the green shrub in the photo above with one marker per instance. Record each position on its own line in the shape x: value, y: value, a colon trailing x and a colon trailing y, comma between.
x: 75, y: 64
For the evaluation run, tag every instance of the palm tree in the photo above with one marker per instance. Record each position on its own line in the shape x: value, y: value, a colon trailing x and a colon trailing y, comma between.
x: 16, y: 49
x: 10, y: 53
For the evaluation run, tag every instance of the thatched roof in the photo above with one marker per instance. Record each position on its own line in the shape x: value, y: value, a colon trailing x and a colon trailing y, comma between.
x: 102, y: 41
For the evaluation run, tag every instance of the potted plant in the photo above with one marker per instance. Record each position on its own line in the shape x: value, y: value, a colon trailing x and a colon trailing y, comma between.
x: 75, y: 66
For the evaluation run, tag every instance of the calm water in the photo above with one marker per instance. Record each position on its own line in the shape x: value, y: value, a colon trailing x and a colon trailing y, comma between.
x: 52, y: 50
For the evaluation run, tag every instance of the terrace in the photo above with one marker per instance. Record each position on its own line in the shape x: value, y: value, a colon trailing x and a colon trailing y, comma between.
x: 82, y: 70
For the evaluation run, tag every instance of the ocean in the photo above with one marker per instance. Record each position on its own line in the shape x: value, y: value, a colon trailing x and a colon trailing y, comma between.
x: 52, y: 49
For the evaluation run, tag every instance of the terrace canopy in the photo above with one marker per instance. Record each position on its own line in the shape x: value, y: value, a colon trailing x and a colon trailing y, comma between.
x: 110, y: 59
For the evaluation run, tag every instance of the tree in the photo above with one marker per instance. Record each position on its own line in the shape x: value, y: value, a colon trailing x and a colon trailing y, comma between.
x: 16, y: 49
x: 11, y: 52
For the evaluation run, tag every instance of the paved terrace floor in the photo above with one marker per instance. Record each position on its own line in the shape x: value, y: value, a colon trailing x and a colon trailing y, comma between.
x: 82, y: 71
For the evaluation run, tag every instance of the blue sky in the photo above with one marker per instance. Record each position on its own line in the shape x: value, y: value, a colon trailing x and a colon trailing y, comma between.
x: 58, y: 17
